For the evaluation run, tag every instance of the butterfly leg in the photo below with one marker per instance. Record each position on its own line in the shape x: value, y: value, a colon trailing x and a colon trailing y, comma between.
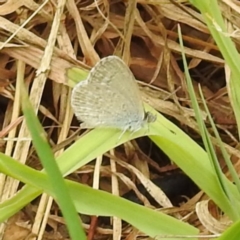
x: 122, y: 133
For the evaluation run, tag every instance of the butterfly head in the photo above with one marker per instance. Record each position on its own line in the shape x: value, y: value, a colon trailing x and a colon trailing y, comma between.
x: 149, y: 117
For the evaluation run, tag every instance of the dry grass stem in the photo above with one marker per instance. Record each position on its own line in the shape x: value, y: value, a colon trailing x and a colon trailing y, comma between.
x: 39, y: 41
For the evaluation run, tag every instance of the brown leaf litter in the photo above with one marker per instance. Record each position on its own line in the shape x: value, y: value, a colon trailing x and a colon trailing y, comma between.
x: 40, y: 40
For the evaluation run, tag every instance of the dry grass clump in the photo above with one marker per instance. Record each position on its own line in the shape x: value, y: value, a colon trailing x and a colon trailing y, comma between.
x: 40, y: 40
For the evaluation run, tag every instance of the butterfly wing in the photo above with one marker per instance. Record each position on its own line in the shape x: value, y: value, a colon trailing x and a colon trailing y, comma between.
x: 119, y: 77
x: 109, y: 97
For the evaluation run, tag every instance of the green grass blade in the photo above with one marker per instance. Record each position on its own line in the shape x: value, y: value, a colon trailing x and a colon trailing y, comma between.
x: 220, y: 179
x: 212, y: 15
x: 95, y: 202
x: 55, y: 177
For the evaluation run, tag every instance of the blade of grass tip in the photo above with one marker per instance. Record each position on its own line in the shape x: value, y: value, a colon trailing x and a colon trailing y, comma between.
x: 55, y: 178
x: 204, y: 134
x: 223, y: 150
x: 192, y: 95
x: 193, y: 98
x: 74, y: 75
